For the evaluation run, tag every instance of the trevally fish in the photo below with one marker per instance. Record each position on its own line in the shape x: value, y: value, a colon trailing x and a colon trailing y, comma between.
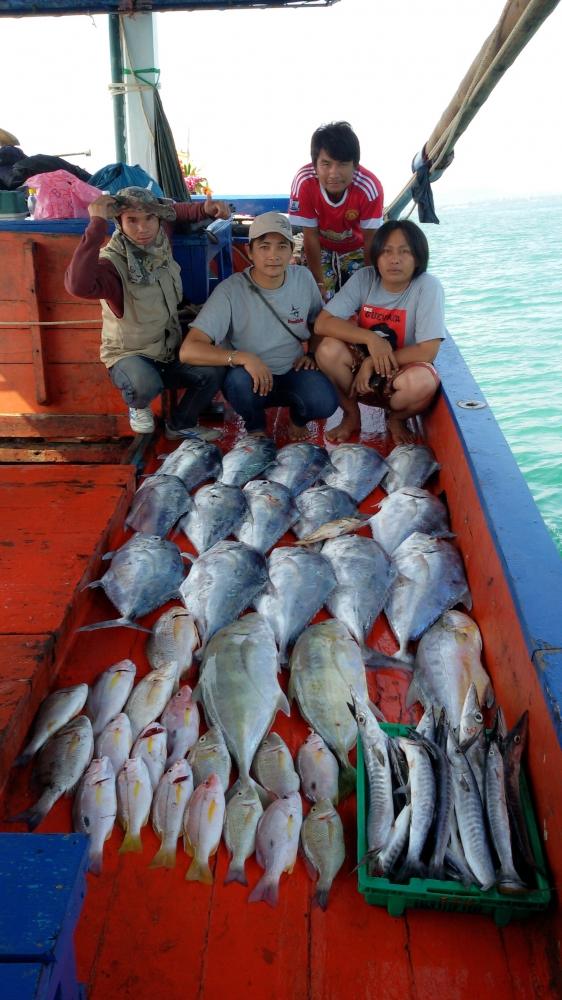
x: 239, y: 687
x: 274, y: 768
x: 174, y: 637
x: 150, y: 746
x: 194, y: 461
x: 409, y: 465
x: 134, y: 797
x: 430, y: 580
x: 181, y: 719
x: 364, y: 574
x: 357, y: 470
x: 222, y: 584
x: 298, y: 466
x: 407, y: 510
x: 447, y: 662
x: 168, y: 808
x: 243, y: 812
x: 249, y: 457
x: 202, y: 828
x: 323, y: 846
x: 145, y: 573
x: 277, y: 842
x: 217, y: 511
x: 300, y: 582
x: 270, y: 513
x: 318, y: 769
x: 210, y: 756
x: 150, y: 696
x: 109, y: 693
x: 318, y: 506
x: 158, y: 504
x: 58, y: 708
x: 95, y: 808
x: 115, y: 741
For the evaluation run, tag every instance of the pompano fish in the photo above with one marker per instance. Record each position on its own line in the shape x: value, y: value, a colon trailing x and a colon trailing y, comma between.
x: 364, y: 575
x: 181, y: 719
x: 270, y: 513
x: 509, y: 880
x: 319, y: 505
x: 210, y: 756
x: 145, y: 573
x: 202, y: 828
x: 149, y: 698
x: 217, y: 512
x: 324, y: 664
x: 58, y: 708
x: 95, y: 808
x: 194, y: 461
x: 243, y: 812
x: 60, y: 764
x: 277, y: 841
x: 109, y: 693
x: 430, y: 580
x: 323, y: 846
x: 357, y: 470
x: 115, y: 741
x: 174, y: 791
x: 249, y: 457
x: 299, y: 466
x: 134, y: 796
x: 158, y: 504
x: 274, y: 768
x: 318, y: 769
x: 409, y: 465
x: 374, y: 744
x: 174, y: 638
x: 150, y: 746
x: 239, y: 687
x: 221, y: 584
x: 447, y: 662
x: 407, y: 510
x: 300, y: 581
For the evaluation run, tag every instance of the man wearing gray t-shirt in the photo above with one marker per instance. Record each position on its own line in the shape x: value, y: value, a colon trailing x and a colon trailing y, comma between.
x: 256, y: 324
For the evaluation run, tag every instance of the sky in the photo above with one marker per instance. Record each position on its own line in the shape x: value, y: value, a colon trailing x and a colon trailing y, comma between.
x: 244, y: 90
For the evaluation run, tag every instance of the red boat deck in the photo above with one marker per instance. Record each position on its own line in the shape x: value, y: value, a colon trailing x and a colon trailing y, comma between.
x: 148, y: 933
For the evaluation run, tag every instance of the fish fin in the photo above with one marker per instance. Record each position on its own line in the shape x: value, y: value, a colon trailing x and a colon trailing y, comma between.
x: 32, y: 817
x: 411, y: 869
x: 264, y: 796
x: 199, y: 871
x: 188, y: 556
x: 375, y: 660
x: 114, y: 623
x: 95, y: 862
x: 94, y: 584
x: 291, y: 689
x: 283, y: 704
x: 376, y: 711
x: 466, y: 599
x: 165, y: 857
x: 23, y: 759
x: 413, y: 694
x: 489, y: 698
x: 347, y: 781
x: 266, y: 891
x: 235, y: 873
x: 311, y: 870
x: 320, y: 899
x: 131, y: 843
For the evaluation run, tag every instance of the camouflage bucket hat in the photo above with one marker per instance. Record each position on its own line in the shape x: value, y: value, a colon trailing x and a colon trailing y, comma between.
x: 142, y: 200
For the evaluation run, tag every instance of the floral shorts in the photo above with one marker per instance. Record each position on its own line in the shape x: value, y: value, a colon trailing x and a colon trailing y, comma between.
x: 338, y: 267
x: 383, y: 387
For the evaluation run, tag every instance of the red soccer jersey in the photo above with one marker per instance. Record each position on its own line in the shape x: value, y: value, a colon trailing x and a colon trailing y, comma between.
x: 340, y: 225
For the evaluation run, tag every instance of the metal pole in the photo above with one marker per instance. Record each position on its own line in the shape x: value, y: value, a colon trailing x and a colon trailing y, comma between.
x: 118, y: 99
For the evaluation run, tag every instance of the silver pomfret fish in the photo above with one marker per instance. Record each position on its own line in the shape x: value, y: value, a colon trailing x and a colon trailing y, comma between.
x: 298, y: 466
x: 134, y: 797
x: 115, y: 741
x: 357, y: 470
x: 168, y: 808
x: 55, y: 711
x: 323, y: 846
x: 210, y: 756
x: 319, y: 506
x: 409, y: 465
x: 217, y: 512
x: 274, y: 768
x: 243, y: 812
x: 249, y: 457
x: 318, y: 769
x: 158, y: 504
x: 277, y: 842
x: 95, y: 808
x: 271, y: 511
x: 109, y: 693
x: 407, y: 510
x: 364, y: 576
x: 150, y: 696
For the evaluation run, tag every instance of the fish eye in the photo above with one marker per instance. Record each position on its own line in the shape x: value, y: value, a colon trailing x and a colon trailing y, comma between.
x: 361, y: 719
x: 517, y: 739
x: 203, y: 739
x: 479, y: 717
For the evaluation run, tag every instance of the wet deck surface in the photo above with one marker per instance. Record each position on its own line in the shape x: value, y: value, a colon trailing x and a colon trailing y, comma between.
x: 148, y: 933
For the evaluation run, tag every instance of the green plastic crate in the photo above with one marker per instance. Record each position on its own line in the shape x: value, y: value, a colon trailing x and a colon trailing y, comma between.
x: 436, y: 894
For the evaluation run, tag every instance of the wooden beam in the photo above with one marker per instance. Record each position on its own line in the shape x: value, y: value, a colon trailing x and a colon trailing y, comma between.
x: 37, y: 352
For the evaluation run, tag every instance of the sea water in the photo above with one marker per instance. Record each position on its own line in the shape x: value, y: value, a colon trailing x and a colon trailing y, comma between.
x: 500, y: 264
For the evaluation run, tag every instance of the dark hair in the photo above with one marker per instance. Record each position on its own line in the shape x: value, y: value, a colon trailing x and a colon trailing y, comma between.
x: 414, y: 236
x: 339, y: 141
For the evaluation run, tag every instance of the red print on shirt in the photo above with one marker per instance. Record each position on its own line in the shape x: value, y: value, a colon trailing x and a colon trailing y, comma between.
x: 372, y: 316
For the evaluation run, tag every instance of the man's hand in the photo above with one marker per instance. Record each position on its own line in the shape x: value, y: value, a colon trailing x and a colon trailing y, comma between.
x: 216, y: 209
x: 306, y: 362
x: 382, y: 355
x: 262, y: 379
x: 102, y: 208
x: 360, y: 385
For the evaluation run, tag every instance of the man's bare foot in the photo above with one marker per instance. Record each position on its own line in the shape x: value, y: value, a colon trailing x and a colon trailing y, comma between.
x: 257, y: 434
x: 399, y: 431
x: 344, y: 430
x: 296, y: 433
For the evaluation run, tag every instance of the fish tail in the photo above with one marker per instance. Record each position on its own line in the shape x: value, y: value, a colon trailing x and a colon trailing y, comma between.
x: 266, y: 891
x: 320, y: 899
x: 36, y: 814
x: 165, y: 857
x: 236, y: 873
x: 375, y: 660
x: 412, y: 869
x: 347, y: 780
x: 131, y: 842
x: 199, y: 871
x: 113, y: 623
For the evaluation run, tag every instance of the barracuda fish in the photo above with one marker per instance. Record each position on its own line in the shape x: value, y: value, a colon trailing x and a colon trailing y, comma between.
x: 60, y: 765
x: 325, y: 663
x: 423, y: 802
x: 149, y: 698
x: 443, y: 812
x: 150, y: 746
x: 134, y: 796
x: 470, y: 816
x: 222, y: 584
x: 250, y: 457
x: 210, y: 756
x: 168, y: 808
x: 109, y: 693
x: 194, y: 462
x: 274, y: 768
x: 95, y: 808
x: 374, y: 744
x: 243, y: 813
x: 321, y: 505
x: 357, y: 470
x: 407, y: 510
x: 181, y: 720
x: 300, y: 581
x: 323, y: 846
x: 384, y: 862
x: 270, y: 513
x: 472, y: 736
x: 364, y: 576
x: 158, y: 504
x: 512, y: 747
x: 409, y: 465
x: 58, y: 708
x: 277, y: 841
x: 115, y: 742
x: 202, y: 828
x: 318, y: 769
x: 430, y: 580
x: 447, y: 662
x: 145, y: 573
x: 299, y: 466
x: 217, y: 512
x: 508, y: 879
x: 174, y: 638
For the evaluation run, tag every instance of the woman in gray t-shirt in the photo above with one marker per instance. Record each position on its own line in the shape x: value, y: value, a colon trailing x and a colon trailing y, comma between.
x: 378, y: 336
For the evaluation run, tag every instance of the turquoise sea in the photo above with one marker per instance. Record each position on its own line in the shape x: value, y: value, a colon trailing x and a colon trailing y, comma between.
x: 500, y: 263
